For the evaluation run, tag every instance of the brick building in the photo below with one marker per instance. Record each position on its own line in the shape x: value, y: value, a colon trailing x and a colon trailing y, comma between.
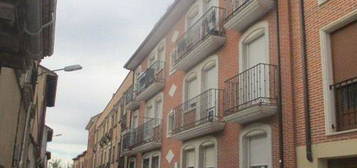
x: 257, y: 83
x: 27, y: 30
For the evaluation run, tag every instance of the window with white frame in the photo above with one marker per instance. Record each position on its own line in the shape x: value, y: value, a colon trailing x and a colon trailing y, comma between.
x: 157, y: 54
x: 339, y: 55
x: 135, y: 119
x: 256, y: 147
x: 189, y: 160
x: 200, y: 153
x: 209, y: 76
x: 151, y: 160
x: 132, y: 163
x: 191, y: 87
x: 171, y: 123
x: 208, y: 155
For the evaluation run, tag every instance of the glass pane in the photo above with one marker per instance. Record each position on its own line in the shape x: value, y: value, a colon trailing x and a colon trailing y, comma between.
x: 146, y: 163
x: 155, y: 162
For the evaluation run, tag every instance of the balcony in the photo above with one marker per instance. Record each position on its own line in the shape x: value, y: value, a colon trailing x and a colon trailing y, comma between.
x: 106, y: 139
x: 252, y: 94
x: 200, y: 40
x: 130, y: 102
x: 150, y: 82
x: 246, y: 12
x: 198, y: 116
x: 144, y: 138
x: 346, y: 104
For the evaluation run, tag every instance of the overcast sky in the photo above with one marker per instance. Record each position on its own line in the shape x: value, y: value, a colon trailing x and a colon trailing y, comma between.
x: 101, y: 36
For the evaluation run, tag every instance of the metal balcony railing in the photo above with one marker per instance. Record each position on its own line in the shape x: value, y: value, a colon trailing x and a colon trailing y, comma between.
x: 129, y: 95
x: 237, y: 6
x: 199, y: 110
x: 155, y: 73
x: 123, y: 121
x: 211, y: 23
x: 255, y: 86
x: 346, y: 104
x: 148, y: 132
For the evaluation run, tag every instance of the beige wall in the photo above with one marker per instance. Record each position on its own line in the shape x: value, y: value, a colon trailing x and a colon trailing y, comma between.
x: 324, y: 151
x: 10, y: 98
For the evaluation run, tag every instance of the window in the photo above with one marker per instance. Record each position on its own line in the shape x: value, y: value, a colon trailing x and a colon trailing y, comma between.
x: 189, y: 158
x: 155, y: 162
x: 191, y: 88
x: 132, y: 163
x: 135, y: 119
x: 192, y: 16
x: 254, y: 54
x: 157, y: 54
x: 339, y: 55
x: 208, y: 156
x: 256, y: 147
x: 157, y: 108
x: 344, y: 59
x: 146, y: 163
x: 210, y: 76
x: 151, y: 160
x: 171, y: 122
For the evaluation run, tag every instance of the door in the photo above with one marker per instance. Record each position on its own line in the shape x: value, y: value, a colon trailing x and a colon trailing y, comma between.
x: 254, y: 82
x: 210, y: 98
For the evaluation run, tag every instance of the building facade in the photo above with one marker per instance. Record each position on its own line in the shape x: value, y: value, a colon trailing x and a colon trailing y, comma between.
x: 249, y: 84
x: 104, y: 130
x: 26, y: 87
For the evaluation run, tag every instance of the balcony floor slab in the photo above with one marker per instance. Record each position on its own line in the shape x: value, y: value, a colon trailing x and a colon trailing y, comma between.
x: 252, y: 113
x: 200, y: 130
x: 201, y: 51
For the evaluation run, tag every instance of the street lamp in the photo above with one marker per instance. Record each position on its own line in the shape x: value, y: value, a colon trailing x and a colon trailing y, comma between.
x: 70, y: 68
x: 57, y: 135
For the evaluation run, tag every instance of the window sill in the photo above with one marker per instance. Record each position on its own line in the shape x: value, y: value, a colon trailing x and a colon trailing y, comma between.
x: 341, y: 132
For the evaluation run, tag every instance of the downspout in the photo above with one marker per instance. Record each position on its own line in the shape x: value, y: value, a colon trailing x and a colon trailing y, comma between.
x: 308, y: 139
x: 280, y: 105
x: 24, y: 138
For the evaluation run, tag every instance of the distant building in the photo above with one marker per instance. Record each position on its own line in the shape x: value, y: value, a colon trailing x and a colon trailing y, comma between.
x: 248, y: 84
x: 80, y: 161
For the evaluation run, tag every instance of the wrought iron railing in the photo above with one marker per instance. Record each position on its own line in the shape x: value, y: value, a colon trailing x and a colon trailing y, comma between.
x: 148, y: 132
x: 211, y: 23
x: 155, y: 73
x: 237, y: 6
x: 199, y: 110
x: 129, y: 95
x: 255, y: 86
x: 123, y: 121
x: 346, y: 104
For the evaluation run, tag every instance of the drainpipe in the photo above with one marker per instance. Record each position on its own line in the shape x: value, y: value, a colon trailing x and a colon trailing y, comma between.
x: 25, y: 135
x: 280, y: 106
x: 309, y: 156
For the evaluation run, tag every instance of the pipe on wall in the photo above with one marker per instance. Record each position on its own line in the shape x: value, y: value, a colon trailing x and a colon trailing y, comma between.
x: 306, y: 100
x: 280, y: 106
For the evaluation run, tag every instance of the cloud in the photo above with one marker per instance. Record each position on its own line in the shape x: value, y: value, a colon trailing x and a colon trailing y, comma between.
x: 101, y: 37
